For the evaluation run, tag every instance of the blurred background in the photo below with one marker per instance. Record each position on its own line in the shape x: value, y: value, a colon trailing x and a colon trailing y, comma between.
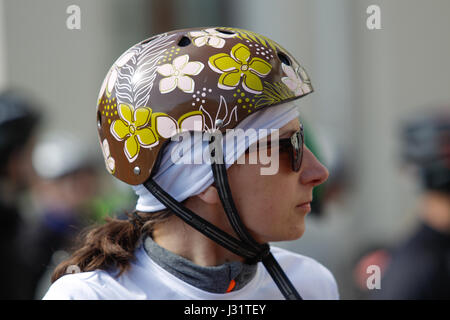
x: 368, y: 84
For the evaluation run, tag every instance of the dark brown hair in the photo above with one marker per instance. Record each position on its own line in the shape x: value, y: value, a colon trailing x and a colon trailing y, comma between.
x: 111, y: 244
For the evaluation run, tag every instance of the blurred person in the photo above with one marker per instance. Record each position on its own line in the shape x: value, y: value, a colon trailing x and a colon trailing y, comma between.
x: 18, y: 121
x: 377, y: 254
x: 419, y: 268
x: 66, y: 183
x: 202, y: 222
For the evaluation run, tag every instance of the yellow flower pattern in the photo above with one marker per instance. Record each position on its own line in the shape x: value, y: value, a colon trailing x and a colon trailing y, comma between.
x: 238, y: 64
x: 132, y: 127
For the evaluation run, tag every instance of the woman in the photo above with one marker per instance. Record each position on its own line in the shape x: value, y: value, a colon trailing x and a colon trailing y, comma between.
x: 191, y: 118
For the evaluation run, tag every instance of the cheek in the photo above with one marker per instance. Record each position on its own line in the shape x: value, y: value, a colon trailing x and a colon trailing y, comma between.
x: 261, y: 200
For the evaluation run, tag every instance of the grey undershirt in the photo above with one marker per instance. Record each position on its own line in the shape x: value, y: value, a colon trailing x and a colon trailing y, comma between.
x: 214, y: 279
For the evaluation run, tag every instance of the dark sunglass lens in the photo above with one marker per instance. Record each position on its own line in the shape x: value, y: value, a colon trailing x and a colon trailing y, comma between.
x: 297, y: 150
x: 301, y: 146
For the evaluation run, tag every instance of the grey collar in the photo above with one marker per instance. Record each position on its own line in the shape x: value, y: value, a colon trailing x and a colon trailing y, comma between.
x: 214, y: 279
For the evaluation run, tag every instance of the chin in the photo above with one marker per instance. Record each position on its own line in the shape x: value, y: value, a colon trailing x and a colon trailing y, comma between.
x: 296, y: 233
x: 291, y: 234
x: 289, y: 230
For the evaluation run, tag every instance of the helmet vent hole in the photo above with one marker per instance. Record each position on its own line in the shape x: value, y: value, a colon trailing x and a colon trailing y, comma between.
x: 284, y: 59
x: 224, y: 31
x: 147, y: 41
x: 184, y: 41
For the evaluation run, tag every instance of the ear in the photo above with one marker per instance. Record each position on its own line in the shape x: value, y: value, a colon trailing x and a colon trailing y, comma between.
x: 210, y: 195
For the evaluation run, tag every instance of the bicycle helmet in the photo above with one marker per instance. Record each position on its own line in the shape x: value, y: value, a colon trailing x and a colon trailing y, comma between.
x: 201, y: 79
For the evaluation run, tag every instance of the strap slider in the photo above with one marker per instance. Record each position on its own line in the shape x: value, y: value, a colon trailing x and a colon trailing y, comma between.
x: 265, y: 251
x: 261, y: 255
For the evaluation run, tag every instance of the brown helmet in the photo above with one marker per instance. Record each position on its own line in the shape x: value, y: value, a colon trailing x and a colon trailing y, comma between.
x: 188, y: 80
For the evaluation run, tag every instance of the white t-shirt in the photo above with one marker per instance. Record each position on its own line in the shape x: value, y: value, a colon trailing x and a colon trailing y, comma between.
x: 147, y: 280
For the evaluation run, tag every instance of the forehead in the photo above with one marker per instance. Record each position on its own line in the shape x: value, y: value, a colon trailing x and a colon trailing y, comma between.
x: 292, y: 125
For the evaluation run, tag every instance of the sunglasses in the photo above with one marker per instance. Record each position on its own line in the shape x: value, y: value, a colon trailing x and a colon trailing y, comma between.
x: 293, y: 145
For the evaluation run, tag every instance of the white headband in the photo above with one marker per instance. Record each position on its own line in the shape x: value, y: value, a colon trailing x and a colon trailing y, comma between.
x: 183, y: 180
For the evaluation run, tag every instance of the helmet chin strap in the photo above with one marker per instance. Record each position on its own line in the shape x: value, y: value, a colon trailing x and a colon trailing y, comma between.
x: 211, y: 231
x: 246, y: 247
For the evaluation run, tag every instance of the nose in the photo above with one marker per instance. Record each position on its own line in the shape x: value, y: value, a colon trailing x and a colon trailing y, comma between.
x: 312, y: 172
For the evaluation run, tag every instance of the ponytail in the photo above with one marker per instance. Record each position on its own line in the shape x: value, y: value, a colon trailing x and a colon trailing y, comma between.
x: 111, y: 244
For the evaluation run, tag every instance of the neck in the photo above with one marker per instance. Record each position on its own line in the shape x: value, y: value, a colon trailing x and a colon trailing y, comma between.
x: 183, y: 240
x: 436, y: 211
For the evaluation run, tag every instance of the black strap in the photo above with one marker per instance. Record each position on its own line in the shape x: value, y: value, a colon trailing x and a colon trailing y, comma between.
x: 220, y: 177
x: 221, y: 180
x: 280, y: 278
x: 211, y: 231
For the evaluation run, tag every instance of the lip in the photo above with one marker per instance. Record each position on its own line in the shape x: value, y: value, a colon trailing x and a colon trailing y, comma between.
x: 305, y: 206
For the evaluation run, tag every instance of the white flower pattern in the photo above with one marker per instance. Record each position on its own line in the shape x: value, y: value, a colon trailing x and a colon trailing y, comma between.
x: 294, y: 82
x: 211, y: 37
x: 166, y: 126
x: 109, y: 161
x: 176, y: 74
